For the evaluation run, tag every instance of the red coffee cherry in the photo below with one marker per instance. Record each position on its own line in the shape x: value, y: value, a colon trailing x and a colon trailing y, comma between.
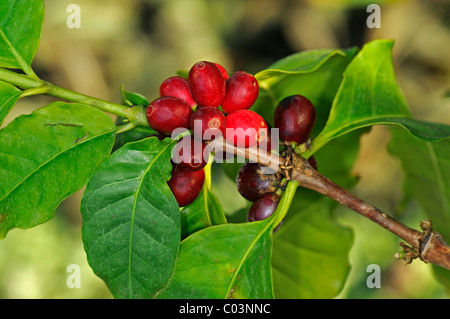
x: 222, y: 70
x: 295, y: 117
x: 178, y: 87
x: 190, y: 153
x: 245, y: 128
x: 242, y: 91
x: 209, y: 121
x: 186, y: 185
x: 168, y: 113
x: 207, y: 84
x: 264, y: 207
x: 252, y: 183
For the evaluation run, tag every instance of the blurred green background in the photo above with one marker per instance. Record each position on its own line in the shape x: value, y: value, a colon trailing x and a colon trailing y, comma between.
x: 139, y: 43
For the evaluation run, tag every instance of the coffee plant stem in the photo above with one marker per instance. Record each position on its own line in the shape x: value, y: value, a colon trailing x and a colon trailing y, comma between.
x: 427, y: 245
x: 28, y: 83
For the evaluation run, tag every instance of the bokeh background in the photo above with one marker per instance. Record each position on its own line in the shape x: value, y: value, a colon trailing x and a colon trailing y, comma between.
x: 139, y: 43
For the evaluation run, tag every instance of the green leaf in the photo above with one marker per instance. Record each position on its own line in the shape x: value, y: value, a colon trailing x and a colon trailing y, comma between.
x: 204, y: 212
x: 310, y: 254
x: 426, y: 168
x: 224, y: 261
x: 47, y: 156
x: 20, y: 32
x: 131, y: 221
x: 132, y: 98
x: 368, y: 95
x: 316, y: 74
x: 9, y: 95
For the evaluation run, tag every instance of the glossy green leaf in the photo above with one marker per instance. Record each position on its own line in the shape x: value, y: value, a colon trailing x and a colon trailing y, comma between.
x: 20, y: 32
x: 426, y: 167
x: 132, y: 98
x: 47, y: 156
x: 9, y: 95
x: 368, y: 95
x: 310, y: 254
x: 316, y: 74
x: 204, y: 212
x: 131, y: 221
x: 224, y: 261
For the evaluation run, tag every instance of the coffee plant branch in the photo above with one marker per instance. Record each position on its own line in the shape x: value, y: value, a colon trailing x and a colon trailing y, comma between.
x: 427, y: 245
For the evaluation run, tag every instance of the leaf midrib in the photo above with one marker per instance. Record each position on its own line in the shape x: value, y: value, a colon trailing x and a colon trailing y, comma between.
x: 134, y: 212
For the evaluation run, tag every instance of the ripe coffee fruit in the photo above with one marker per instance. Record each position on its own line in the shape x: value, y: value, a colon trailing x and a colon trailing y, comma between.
x: 245, y: 128
x: 190, y: 153
x: 222, y: 70
x: 295, y: 117
x: 263, y: 207
x: 178, y: 87
x: 242, y: 91
x: 209, y: 121
x: 168, y: 113
x: 207, y: 84
x: 252, y: 183
x: 186, y: 185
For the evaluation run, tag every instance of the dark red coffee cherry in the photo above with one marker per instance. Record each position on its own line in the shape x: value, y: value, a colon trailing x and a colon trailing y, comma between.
x: 168, y: 113
x: 186, y: 185
x: 245, y: 128
x: 242, y: 91
x: 295, y: 117
x: 209, y: 121
x: 312, y: 161
x: 178, y: 87
x: 251, y: 181
x: 263, y: 207
x: 222, y: 70
x: 207, y: 84
x: 190, y: 153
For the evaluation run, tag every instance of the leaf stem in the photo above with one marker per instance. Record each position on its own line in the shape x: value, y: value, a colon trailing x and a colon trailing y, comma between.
x: 36, y: 86
x: 285, y: 203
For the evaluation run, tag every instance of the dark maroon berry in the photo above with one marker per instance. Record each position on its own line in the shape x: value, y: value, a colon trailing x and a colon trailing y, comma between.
x: 263, y: 207
x: 312, y: 161
x: 207, y: 84
x: 245, y: 128
x: 168, y: 113
x: 209, y: 122
x: 295, y: 117
x: 242, y: 91
x: 251, y: 181
x: 178, y: 87
x: 190, y: 153
x: 222, y: 70
x: 186, y: 185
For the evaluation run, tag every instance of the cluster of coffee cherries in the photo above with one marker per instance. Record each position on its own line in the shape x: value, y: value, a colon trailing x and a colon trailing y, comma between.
x: 211, y: 103
x: 294, y: 117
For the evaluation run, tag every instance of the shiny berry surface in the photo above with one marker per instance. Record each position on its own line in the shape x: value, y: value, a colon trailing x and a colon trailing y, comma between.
x: 245, y: 128
x: 186, y: 184
x: 190, y: 153
x: 209, y: 122
x: 222, y: 70
x: 178, y: 87
x: 168, y: 113
x: 242, y: 91
x: 263, y: 207
x: 207, y: 84
x: 295, y: 117
x: 252, y: 183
